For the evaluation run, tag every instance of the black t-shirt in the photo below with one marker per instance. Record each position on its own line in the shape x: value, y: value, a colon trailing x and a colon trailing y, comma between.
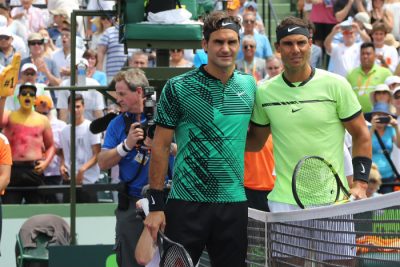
x: 340, y: 4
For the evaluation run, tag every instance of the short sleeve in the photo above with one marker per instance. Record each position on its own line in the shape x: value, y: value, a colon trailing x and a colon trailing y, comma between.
x: 259, y: 116
x: 168, y: 111
x: 348, y: 105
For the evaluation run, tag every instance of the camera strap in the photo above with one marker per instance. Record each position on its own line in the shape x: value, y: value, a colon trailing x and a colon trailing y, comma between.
x: 387, y: 155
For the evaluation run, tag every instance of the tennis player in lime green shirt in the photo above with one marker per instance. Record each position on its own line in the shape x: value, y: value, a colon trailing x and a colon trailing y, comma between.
x: 364, y: 78
x: 307, y: 111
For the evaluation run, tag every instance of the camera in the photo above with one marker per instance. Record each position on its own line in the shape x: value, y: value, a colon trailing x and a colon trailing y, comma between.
x: 149, y: 110
x: 383, y: 119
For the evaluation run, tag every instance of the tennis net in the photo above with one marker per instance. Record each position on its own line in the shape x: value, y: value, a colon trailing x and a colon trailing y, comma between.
x: 359, y: 233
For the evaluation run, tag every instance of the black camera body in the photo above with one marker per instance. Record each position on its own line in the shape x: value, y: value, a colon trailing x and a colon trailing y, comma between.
x: 384, y: 119
x: 149, y: 110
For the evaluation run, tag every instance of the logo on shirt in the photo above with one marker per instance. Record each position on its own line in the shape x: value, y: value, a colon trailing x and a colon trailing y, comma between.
x: 296, y: 109
x: 292, y: 29
x: 241, y: 93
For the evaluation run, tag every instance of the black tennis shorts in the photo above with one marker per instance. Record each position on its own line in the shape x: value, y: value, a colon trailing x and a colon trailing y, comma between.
x: 221, y: 228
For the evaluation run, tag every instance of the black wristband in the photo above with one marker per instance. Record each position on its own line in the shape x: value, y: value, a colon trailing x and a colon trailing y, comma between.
x: 156, y: 200
x: 361, y: 168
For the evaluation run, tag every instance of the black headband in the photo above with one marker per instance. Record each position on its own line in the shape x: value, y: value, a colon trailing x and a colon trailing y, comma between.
x: 224, y: 24
x: 291, y: 29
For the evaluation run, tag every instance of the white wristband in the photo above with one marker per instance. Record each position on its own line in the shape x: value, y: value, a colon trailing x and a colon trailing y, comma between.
x: 121, y: 151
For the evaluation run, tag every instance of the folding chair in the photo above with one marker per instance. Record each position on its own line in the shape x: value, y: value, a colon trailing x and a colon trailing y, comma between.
x: 37, y: 254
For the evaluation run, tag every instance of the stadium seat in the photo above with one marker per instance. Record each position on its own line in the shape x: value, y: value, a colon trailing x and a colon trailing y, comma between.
x: 38, y: 254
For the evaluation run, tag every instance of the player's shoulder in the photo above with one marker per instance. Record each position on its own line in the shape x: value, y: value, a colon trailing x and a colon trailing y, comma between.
x: 189, y: 75
x: 329, y: 77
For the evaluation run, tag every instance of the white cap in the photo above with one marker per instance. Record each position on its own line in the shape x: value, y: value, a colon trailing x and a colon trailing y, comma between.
x: 392, y: 79
x: 27, y: 66
x: 364, y: 18
x: 5, y: 31
x: 396, y: 90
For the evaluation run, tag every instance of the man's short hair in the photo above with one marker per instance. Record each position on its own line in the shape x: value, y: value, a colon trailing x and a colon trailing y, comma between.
x: 367, y: 45
x: 213, y: 22
x: 78, y: 97
x: 249, y: 38
x: 133, y: 77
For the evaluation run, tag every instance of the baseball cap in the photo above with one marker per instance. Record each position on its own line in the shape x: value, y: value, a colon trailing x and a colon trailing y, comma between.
x: 364, y: 18
x: 251, y: 4
x: 397, y: 89
x: 27, y: 85
x: 392, y: 79
x: 35, y: 37
x: 5, y: 31
x: 59, y: 11
x: 44, y: 100
x: 27, y: 66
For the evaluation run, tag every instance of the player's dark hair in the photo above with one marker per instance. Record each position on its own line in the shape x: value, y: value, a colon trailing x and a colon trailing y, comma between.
x: 213, y: 22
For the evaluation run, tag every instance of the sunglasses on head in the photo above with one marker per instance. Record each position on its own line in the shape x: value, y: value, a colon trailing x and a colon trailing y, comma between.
x: 4, y: 37
x: 25, y: 93
x: 249, y: 46
x: 35, y: 42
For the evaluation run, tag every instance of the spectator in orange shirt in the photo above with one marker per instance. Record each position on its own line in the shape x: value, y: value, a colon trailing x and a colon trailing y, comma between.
x: 5, y: 169
x: 259, y: 177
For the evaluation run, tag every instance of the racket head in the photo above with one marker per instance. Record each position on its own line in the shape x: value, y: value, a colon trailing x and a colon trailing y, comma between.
x: 172, y: 254
x: 315, y: 182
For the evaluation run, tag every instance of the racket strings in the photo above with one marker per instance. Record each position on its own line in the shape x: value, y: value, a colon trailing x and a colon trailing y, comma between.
x: 175, y: 256
x: 315, y: 183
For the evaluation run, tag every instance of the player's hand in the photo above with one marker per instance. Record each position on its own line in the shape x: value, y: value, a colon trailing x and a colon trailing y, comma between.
x: 154, y: 222
x: 359, y: 189
x: 134, y: 135
x: 40, y: 166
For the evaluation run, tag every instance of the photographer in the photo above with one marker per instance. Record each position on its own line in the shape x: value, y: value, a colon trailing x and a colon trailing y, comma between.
x: 127, y: 146
x: 384, y: 126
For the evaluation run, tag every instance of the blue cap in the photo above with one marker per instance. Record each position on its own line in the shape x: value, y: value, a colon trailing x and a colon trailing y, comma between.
x: 380, y: 107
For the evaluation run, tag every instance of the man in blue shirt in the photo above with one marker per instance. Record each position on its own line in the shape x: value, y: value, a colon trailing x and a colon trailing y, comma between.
x: 125, y: 145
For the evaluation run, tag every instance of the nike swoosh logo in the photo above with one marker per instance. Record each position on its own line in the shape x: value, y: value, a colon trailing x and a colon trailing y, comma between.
x: 292, y: 29
x: 223, y: 24
x: 241, y: 93
x: 152, y: 201
x: 362, y: 168
x: 295, y: 110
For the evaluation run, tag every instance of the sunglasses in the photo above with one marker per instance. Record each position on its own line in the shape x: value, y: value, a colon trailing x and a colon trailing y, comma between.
x: 29, y: 73
x: 248, y: 21
x: 249, y: 46
x: 4, y: 37
x: 176, y: 50
x: 396, y: 96
x: 25, y: 93
x: 273, y: 68
x: 35, y: 43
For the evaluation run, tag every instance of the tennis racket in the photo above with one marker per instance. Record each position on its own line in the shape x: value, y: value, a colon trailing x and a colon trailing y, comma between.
x: 172, y: 254
x: 315, y: 183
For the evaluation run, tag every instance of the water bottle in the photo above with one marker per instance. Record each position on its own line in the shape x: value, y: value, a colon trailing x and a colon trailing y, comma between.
x: 81, y: 70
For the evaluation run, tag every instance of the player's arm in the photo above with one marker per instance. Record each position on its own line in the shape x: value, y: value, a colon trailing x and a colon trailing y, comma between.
x: 362, y: 154
x: 158, y: 169
x: 256, y: 137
